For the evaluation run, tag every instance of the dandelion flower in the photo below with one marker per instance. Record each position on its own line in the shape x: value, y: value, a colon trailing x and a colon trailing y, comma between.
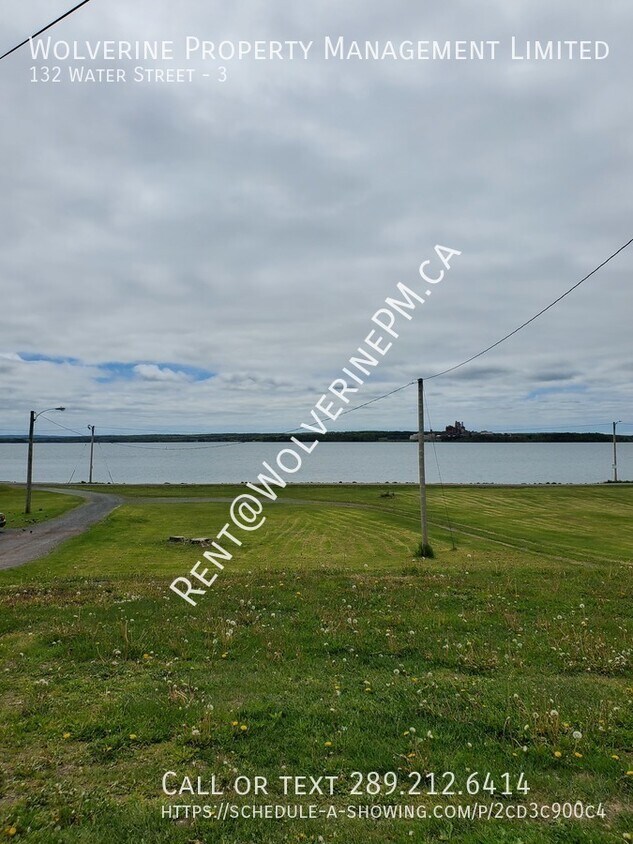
x: 66, y: 735
x: 132, y: 736
x: 616, y: 757
x: 243, y: 728
x: 11, y: 831
x: 328, y: 744
x: 557, y: 754
x: 234, y: 723
x: 578, y: 755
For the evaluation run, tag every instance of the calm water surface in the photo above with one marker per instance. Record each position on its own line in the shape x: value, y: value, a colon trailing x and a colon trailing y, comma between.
x: 329, y: 462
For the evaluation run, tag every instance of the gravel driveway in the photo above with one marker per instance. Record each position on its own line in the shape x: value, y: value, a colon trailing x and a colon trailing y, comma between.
x: 21, y: 545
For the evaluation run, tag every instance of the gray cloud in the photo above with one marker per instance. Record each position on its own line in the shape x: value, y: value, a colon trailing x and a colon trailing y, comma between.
x: 251, y: 228
x: 553, y: 375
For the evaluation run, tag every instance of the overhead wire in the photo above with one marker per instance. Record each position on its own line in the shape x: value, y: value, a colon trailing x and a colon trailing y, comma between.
x: 535, y: 317
x: 492, y: 345
x: 409, y: 383
x: 44, y: 29
x: 101, y: 451
x: 72, y: 475
x: 144, y: 447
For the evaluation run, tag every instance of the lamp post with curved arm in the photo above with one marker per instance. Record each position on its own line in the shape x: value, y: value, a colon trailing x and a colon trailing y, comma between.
x: 29, y: 467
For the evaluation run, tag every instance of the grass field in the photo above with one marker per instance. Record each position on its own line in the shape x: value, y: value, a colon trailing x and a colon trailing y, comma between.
x: 44, y: 505
x: 324, y: 647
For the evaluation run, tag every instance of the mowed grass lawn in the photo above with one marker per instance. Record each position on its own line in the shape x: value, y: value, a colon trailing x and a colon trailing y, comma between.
x: 324, y: 647
x: 44, y: 505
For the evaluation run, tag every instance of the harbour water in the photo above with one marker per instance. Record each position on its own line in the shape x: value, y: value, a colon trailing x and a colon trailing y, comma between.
x: 365, y: 462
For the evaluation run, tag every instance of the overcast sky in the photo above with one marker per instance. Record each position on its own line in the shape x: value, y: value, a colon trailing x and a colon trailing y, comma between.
x: 206, y: 256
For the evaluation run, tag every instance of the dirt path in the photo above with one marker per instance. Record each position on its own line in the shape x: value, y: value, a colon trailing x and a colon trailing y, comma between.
x: 21, y: 545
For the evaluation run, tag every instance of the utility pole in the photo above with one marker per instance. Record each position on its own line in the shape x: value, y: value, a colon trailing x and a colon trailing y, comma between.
x: 29, y: 465
x: 615, y: 455
x: 425, y: 548
x: 92, y: 446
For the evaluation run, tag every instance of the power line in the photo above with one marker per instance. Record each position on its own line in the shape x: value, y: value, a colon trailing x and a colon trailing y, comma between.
x: 142, y: 430
x: 65, y: 427
x: 493, y: 345
x: 179, y: 448
x: 536, y: 316
x: 556, y: 428
x: 44, y: 28
x: 146, y: 447
x: 378, y: 398
x: 70, y: 479
x: 106, y: 463
x: 409, y: 383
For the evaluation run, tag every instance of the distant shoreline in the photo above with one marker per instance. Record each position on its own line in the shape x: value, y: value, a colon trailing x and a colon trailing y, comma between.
x: 333, y: 436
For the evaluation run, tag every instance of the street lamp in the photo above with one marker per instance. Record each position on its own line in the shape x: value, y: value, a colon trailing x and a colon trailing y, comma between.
x: 615, y: 455
x: 29, y: 468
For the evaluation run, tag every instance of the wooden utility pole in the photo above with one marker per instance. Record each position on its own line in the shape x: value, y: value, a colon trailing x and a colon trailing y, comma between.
x: 29, y: 465
x: 426, y: 548
x: 615, y: 456
x: 92, y: 446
